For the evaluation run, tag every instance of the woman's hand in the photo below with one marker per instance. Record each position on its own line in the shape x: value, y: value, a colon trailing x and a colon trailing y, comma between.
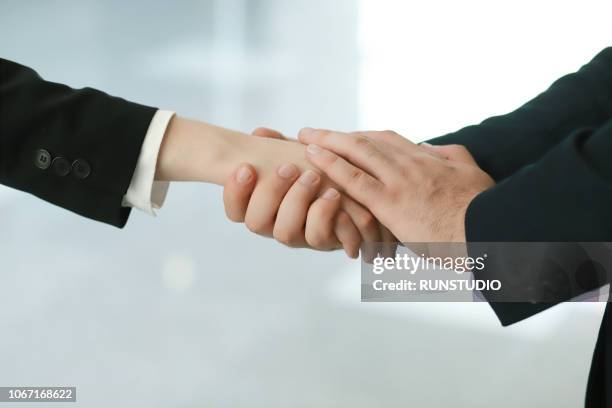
x: 299, y: 208
x: 420, y: 193
x: 277, y: 194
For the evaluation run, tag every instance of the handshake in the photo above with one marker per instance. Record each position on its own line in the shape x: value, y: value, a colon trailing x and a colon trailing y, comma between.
x: 329, y: 190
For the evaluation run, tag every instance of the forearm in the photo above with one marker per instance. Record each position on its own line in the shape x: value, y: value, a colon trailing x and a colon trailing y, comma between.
x: 198, y: 151
x: 564, y: 197
x: 195, y: 151
x: 42, y: 123
x: 503, y: 144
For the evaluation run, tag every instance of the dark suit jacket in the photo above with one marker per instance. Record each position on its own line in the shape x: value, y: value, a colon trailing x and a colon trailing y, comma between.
x: 552, y: 160
x: 76, y: 148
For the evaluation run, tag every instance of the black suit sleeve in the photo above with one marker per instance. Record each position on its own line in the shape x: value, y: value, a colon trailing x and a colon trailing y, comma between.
x: 93, y: 141
x: 503, y: 144
x: 554, y: 178
x: 564, y: 197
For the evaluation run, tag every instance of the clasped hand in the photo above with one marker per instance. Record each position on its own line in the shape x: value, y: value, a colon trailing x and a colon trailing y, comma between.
x: 370, y: 187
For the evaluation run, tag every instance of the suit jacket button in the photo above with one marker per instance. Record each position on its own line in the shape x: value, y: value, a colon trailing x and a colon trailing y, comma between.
x: 81, y: 169
x: 42, y: 159
x: 60, y: 166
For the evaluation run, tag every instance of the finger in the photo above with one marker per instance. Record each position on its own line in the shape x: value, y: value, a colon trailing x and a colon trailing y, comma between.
x: 356, y: 182
x: 266, y: 199
x: 421, y: 249
x: 237, y: 192
x: 269, y: 133
x: 289, y: 227
x: 320, y: 221
x: 357, y: 149
x: 348, y: 234
x: 366, y: 224
x: 393, y: 139
x: 388, y: 242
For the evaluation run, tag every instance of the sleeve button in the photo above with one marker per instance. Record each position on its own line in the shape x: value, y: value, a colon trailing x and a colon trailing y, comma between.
x: 81, y: 169
x: 60, y: 166
x: 42, y: 159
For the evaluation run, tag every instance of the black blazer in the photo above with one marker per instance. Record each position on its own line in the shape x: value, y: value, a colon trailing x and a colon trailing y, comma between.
x: 76, y: 148
x: 552, y: 160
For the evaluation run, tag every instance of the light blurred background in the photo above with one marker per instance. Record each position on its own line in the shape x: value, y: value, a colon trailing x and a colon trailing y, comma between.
x: 190, y: 310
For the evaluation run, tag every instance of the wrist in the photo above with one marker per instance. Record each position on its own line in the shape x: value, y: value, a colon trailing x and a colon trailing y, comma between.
x: 197, y: 151
x: 459, y: 230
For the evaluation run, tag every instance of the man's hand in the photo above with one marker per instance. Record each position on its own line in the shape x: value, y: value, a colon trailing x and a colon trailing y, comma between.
x: 421, y: 193
x: 298, y: 210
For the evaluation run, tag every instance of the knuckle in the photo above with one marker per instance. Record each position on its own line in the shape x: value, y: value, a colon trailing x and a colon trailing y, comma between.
x: 331, y: 159
x: 258, y: 227
x: 319, y: 239
x: 366, y: 221
x: 313, y: 241
x: 319, y: 236
x: 343, y: 219
x: 368, y: 146
x: 355, y: 176
x: 285, y: 237
x: 362, y: 141
x: 234, y: 216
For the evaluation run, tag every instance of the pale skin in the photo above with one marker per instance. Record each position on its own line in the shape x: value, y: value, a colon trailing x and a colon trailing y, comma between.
x: 197, y: 151
x: 281, y: 193
x: 420, y: 192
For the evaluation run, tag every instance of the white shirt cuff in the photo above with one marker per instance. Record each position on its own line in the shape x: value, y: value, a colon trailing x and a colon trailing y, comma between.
x: 144, y: 192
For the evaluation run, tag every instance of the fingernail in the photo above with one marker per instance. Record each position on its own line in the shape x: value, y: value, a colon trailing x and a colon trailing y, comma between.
x: 309, y: 178
x: 287, y: 171
x: 330, y: 194
x: 244, y: 175
x: 425, y: 144
x: 347, y: 251
x: 314, y: 149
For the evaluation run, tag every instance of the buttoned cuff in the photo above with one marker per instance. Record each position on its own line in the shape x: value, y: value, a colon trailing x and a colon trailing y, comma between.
x: 144, y: 192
